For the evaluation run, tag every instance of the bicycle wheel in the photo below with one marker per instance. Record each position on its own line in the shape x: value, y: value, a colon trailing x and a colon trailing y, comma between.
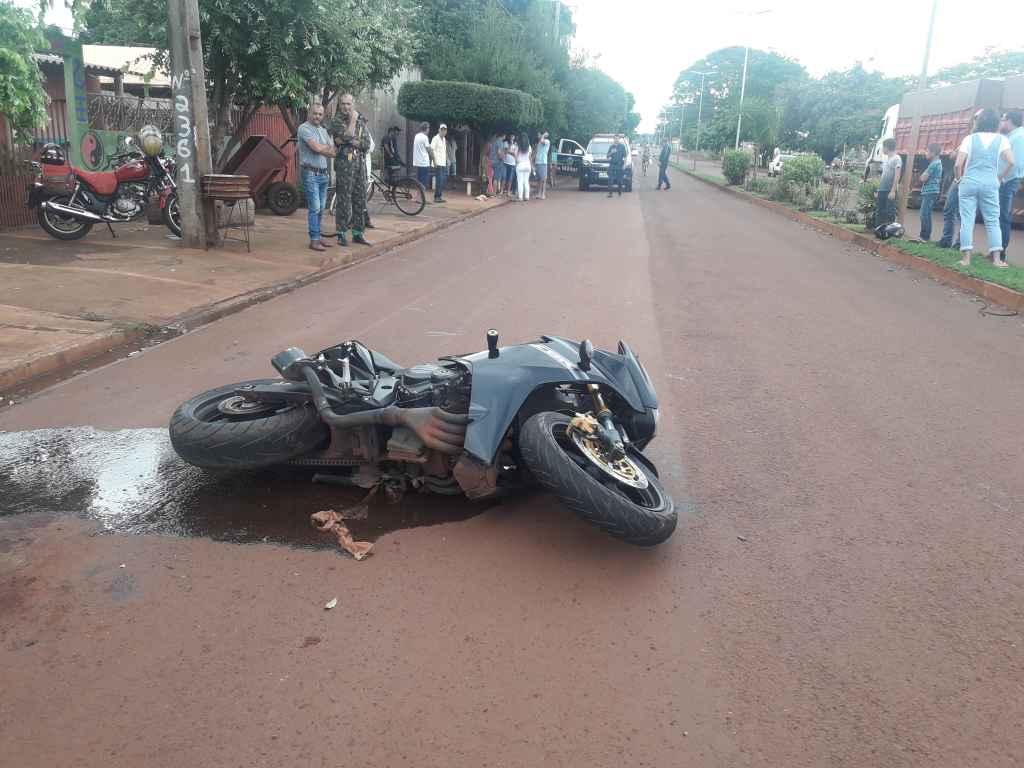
x: 371, y: 187
x: 409, y: 196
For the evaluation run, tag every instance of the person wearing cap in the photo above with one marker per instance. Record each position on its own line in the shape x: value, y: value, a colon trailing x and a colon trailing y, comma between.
x: 392, y: 157
x: 439, y: 156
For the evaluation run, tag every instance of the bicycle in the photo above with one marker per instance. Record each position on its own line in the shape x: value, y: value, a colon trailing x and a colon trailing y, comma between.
x: 406, y: 194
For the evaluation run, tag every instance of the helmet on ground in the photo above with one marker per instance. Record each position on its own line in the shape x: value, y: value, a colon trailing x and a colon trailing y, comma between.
x: 886, y: 231
x: 151, y: 140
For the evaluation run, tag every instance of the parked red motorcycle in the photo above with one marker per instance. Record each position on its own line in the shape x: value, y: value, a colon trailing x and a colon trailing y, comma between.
x: 104, y: 197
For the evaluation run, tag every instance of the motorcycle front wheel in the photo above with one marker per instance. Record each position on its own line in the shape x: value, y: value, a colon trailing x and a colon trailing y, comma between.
x: 172, y: 215
x: 627, y: 500
x: 221, y: 430
x: 62, y: 227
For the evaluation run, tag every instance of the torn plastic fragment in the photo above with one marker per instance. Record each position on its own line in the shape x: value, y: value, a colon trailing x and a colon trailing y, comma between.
x: 329, y: 521
x: 331, y: 603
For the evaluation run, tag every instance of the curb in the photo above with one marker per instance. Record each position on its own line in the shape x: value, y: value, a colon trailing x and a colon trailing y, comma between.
x: 11, y: 378
x: 54, y: 361
x: 199, y: 316
x: 991, y: 292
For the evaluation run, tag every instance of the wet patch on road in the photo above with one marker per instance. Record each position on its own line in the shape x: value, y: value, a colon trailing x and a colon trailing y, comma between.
x: 131, y: 481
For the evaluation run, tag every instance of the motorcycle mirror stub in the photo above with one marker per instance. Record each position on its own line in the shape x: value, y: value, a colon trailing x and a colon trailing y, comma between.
x: 285, y: 364
x: 492, y: 344
x: 586, y: 354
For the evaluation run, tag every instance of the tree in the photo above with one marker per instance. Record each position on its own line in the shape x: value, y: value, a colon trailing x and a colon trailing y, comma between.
x: 992, y: 63
x: 270, y: 52
x: 840, y: 109
x: 22, y: 98
x: 768, y: 74
x: 596, y: 104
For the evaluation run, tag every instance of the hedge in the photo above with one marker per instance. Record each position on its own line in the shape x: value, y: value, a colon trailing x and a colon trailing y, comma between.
x: 483, y: 107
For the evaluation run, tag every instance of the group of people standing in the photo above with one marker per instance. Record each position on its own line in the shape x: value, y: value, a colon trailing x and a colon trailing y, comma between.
x: 987, y: 172
x: 510, y: 162
x: 435, y: 157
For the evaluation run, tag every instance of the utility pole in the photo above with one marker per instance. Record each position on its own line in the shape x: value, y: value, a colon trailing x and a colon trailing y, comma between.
x: 743, y: 90
x: 700, y: 107
x: 682, y: 113
x: 191, y: 124
x: 915, y: 124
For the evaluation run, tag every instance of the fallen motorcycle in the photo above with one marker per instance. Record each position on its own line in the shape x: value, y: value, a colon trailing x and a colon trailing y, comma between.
x: 104, y: 197
x: 555, y: 412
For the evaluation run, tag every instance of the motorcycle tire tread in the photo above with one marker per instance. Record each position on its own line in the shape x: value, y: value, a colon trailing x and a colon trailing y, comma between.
x: 250, y: 444
x: 584, y: 495
x: 60, y: 234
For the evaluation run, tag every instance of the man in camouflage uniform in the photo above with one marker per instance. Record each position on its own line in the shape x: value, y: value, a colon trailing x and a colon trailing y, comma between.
x: 352, y: 141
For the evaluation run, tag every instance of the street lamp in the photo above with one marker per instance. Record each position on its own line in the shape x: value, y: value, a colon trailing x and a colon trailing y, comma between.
x: 743, y: 84
x: 700, y: 107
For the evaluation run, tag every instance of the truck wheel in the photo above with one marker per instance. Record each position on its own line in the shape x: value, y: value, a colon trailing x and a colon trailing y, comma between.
x: 282, y: 198
x: 644, y: 516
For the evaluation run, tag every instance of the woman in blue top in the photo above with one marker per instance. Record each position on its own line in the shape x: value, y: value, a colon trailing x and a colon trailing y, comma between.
x: 977, y: 169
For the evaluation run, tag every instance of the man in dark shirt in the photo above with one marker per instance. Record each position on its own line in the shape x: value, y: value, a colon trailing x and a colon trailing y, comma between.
x: 616, y: 162
x: 392, y: 158
x: 666, y: 153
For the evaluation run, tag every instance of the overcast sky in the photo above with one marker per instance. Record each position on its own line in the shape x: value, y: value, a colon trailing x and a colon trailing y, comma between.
x: 644, y: 43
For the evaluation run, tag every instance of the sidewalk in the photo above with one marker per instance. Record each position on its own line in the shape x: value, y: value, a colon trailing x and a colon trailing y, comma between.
x: 65, y: 302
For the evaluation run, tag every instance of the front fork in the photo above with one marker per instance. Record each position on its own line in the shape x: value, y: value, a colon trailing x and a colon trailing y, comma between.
x: 605, y: 429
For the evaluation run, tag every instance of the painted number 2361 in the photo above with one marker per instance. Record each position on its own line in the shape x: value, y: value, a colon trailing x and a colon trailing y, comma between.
x: 184, y: 137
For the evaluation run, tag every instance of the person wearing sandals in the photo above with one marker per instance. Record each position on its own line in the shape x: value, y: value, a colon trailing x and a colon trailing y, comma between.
x: 977, y: 169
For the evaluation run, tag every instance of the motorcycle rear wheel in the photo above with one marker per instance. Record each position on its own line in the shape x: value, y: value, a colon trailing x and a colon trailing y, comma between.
x: 643, y: 517
x: 62, y: 227
x: 219, y: 430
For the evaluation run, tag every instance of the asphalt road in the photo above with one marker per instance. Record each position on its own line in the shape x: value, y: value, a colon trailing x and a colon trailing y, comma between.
x: 845, y: 587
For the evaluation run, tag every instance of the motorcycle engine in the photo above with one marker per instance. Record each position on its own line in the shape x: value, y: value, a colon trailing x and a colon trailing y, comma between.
x: 425, y: 385
x: 131, y: 201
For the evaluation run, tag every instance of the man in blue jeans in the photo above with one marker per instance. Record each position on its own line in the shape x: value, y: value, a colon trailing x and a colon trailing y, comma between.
x: 931, y: 185
x: 1013, y: 176
x: 950, y: 218
x: 315, y: 147
x: 892, y: 166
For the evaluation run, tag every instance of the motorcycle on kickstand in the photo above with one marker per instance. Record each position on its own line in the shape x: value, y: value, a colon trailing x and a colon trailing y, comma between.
x: 110, y: 197
x: 552, y: 412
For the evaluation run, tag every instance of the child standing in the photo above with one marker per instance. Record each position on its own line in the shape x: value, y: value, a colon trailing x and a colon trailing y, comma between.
x: 931, y: 186
x: 885, y: 208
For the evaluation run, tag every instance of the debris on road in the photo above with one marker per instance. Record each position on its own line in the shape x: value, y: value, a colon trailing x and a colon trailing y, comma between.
x: 331, y: 603
x: 742, y: 538
x: 329, y: 521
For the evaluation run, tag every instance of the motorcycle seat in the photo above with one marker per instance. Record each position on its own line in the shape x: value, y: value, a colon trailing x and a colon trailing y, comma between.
x: 102, y: 182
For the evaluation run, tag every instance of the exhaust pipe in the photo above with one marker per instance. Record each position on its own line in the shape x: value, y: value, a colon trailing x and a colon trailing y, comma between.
x: 75, y: 213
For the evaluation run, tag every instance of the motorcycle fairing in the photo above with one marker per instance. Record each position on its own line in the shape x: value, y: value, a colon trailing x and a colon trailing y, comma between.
x: 501, y: 385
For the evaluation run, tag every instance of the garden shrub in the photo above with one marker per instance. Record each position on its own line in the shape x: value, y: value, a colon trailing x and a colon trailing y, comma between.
x: 867, y: 197
x: 761, y: 186
x: 734, y: 165
x: 483, y: 107
x: 805, y: 170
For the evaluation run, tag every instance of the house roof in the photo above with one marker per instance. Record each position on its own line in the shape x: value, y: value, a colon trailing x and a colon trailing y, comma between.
x: 136, y: 62
x: 110, y: 60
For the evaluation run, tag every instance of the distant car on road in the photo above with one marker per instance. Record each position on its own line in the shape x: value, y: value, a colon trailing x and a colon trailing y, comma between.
x: 778, y: 160
x: 594, y: 169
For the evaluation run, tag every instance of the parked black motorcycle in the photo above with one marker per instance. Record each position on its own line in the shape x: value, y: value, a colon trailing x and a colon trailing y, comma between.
x: 554, y: 412
x: 104, y: 197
